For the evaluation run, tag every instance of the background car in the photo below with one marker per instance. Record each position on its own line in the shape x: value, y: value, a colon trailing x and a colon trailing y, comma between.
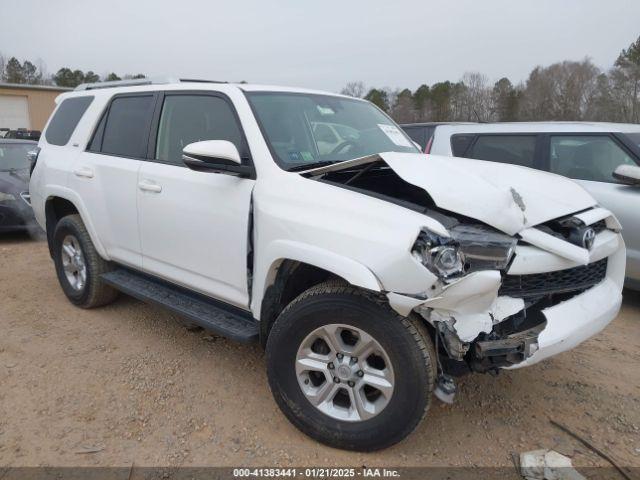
x: 589, y: 153
x: 23, y: 134
x: 15, y: 208
x: 423, y: 133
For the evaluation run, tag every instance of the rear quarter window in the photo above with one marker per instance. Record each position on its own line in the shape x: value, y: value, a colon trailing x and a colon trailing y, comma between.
x: 65, y: 119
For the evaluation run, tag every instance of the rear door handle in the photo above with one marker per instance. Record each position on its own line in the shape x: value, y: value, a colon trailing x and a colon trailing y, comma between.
x: 147, y: 186
x: 83, y: 172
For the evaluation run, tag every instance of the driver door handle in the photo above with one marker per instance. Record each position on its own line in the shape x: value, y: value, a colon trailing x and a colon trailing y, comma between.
x: 147, y: 186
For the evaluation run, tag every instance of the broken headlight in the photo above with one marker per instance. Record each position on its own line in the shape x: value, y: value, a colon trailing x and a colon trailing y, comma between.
x: 469, y: 248
x: 441, y: 255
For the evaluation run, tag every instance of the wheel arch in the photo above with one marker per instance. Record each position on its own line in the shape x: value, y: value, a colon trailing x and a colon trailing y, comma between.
x: 293, y: 268
x: 59, y: 204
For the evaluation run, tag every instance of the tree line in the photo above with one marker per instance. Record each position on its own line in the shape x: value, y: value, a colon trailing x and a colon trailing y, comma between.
x: 27, y: 72
x: 569, y: 90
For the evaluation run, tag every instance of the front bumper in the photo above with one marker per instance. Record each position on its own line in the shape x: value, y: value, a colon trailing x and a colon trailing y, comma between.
x: 16, y: 215
x: 487, y: 330
x: 574, y: 321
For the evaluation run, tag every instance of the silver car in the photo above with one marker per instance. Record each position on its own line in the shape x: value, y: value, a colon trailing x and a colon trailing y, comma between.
x: 603, y: 157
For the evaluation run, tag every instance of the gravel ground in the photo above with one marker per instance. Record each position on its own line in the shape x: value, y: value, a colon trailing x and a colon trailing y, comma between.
x: 128, y: 383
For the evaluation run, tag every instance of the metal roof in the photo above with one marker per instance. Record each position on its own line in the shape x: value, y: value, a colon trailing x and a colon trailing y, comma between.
x: 24, y: 86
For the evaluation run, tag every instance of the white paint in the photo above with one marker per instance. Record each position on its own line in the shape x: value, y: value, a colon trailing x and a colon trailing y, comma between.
x: 217, y: 149
x: 555, y: 245
x: 483, y: 190
x: 529, y: 259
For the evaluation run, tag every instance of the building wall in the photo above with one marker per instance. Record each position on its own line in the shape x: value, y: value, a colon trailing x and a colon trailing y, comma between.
x: 41, y: 102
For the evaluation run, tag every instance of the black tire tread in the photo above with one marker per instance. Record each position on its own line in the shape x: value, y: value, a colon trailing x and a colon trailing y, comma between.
x: 99, y: 293
x: 414, y: 326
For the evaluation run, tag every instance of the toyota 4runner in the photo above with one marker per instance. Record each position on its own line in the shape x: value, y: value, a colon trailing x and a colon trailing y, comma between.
x: 371, y: 273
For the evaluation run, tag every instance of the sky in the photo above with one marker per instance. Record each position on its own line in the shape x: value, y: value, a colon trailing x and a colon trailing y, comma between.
x: 317, y: 44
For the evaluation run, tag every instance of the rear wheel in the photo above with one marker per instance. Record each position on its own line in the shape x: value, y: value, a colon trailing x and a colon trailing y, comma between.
x: 349, y: 371
x: 79, y: 266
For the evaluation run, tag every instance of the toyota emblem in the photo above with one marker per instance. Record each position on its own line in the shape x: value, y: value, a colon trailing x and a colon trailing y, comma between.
x: 588, y: 237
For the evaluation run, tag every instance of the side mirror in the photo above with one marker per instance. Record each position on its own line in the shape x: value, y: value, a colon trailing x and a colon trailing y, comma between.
x: 629, y: 174
x: 219, y: 156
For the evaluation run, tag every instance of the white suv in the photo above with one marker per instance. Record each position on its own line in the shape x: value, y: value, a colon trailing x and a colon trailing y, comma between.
x: 369, y: 272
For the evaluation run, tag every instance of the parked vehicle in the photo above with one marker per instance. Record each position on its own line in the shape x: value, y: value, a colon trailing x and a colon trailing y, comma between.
x: 15, y: 210
x: 423, y: 133
x: 23, y: 134
x: 367, y: 273
x: 604, y: 158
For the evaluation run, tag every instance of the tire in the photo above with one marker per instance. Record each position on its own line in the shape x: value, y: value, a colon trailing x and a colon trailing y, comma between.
x: 403, y: 342
x: 91, y: 292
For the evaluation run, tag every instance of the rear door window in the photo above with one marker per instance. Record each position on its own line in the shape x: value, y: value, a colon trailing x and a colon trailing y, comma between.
x: 587, y: 157
x: 460, y: 144
x: 66, y: 119
x: 126, y: 131
x: 514, y: 149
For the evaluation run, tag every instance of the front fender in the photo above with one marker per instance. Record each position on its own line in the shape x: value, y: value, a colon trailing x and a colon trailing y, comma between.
x: 279, y: 250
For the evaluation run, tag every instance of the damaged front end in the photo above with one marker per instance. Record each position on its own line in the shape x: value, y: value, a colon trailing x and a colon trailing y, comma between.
x: 496, y: 294
x: 529, y: 265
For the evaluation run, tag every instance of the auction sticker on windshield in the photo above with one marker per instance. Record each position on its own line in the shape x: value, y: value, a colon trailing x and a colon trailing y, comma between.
x: 395, y: 135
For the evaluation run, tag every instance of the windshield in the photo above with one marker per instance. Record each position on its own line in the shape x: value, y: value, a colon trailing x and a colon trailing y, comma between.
x: 14, y: 156
x: 304, y: 130
x: 635, y: 138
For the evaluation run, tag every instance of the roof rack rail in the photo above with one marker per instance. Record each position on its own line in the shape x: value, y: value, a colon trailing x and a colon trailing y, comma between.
x: 134, y: 82
x: 199, y: 80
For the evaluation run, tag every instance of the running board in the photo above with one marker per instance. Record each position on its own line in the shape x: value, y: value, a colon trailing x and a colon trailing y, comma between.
x: 225, y: 320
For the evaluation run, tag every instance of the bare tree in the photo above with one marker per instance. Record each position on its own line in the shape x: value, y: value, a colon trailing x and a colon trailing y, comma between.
x: 45, y: 77
x: 404, y: 108
x: 476, y: 97
x: 562, y: 91
x: 354, y: 89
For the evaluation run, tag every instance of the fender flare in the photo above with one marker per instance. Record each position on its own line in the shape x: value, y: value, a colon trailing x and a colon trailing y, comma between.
x: 279, y: 250
x: 71, y: 196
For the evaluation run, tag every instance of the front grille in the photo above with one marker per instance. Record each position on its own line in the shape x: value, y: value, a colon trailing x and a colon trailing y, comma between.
x: 562, y: 281
x: 600, y: 226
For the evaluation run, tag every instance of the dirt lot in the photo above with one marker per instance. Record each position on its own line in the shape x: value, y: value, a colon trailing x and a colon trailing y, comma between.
x: 128, y: 383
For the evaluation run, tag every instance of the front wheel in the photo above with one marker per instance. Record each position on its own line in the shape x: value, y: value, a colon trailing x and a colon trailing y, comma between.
x: 349, y: 371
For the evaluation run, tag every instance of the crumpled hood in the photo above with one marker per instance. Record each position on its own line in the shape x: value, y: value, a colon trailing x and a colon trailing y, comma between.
x: 508, y: 197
